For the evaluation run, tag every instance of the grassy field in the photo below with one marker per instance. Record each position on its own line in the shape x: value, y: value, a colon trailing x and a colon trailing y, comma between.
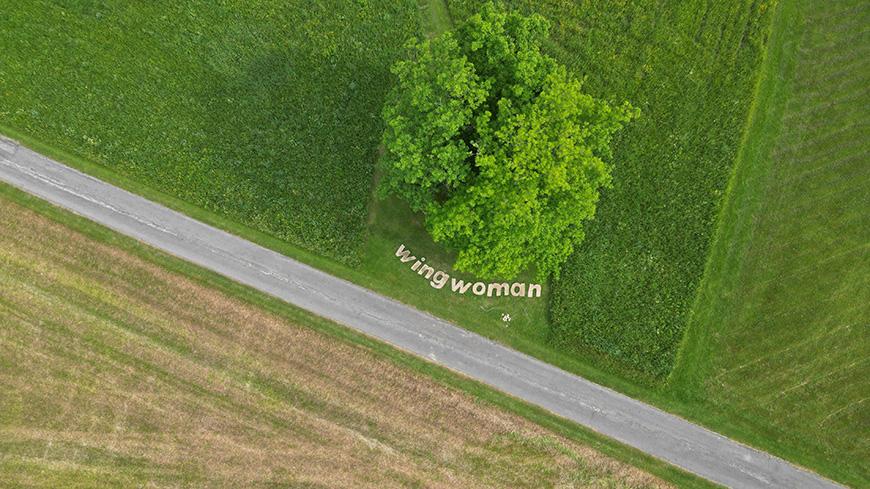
x: 625, y: 299
x: 690, y: 67
x: 145, y: 375
x: 780, y: 338
x: 266, y: 112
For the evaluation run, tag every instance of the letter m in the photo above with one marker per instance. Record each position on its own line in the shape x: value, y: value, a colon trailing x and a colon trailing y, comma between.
x: 499, y: 289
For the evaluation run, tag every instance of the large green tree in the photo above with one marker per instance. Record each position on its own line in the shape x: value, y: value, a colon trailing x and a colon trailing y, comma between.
x: 497, y: 145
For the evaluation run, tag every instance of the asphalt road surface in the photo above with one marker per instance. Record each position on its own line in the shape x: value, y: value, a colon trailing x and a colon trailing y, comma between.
x: 634, y: 423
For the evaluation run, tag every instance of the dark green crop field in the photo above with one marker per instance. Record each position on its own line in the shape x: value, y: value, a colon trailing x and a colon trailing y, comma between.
x: 267, y: 115
x: 265, y: 112
x: 690, y: 67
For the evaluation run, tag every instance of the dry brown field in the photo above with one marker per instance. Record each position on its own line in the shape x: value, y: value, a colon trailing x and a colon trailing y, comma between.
x: 115, y: 371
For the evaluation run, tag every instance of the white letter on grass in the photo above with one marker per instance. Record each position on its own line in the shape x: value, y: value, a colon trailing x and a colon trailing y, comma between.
x: 404, y: 255
x: 439, y: 280
x: 478, y: 291
x: 427, y: 270
x: 518, y: 289
x: 499, y: 289
x: 459, y: 286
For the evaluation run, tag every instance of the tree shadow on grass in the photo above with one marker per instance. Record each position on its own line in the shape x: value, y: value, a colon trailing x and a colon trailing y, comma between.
x: 294, y: 142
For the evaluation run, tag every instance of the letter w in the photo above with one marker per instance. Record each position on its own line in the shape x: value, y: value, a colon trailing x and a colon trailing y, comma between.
x: 459, y: 285
x: 404, y: 255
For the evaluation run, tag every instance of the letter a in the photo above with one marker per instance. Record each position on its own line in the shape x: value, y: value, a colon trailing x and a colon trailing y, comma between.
x: 518, y: 289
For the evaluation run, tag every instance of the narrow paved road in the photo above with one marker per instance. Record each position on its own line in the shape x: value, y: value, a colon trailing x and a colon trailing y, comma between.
x: 634, y: 423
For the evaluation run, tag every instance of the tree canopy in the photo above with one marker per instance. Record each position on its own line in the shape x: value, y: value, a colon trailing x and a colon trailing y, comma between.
x: 497, y: 145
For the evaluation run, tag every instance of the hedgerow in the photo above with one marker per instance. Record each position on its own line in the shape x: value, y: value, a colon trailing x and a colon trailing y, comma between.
x: 690, y: 68
x: 266, y: 112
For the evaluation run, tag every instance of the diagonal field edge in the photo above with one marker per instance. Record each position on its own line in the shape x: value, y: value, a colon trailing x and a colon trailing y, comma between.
x: 627, y: 420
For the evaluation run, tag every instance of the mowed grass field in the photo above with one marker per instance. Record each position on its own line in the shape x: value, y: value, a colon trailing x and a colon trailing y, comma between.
x: 780, y: 339
x: 118, y: 372
x: 266, y: 113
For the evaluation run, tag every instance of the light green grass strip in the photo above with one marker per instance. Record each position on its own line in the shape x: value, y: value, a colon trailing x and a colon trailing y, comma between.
x: 741, y: 198
x: 762, y: 357
x: 435, y: 17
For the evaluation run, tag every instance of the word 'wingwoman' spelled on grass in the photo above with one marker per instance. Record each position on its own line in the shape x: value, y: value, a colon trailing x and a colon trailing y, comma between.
x: 438, y: 279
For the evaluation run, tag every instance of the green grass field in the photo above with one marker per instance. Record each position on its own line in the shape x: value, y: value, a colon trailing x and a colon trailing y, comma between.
x: 266, y: 112
x: 780, y: 338
x: 690, y: 67
x: 191, y: 115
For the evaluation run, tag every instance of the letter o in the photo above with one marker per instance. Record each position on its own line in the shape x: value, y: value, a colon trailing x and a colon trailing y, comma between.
x: 478, y: 291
